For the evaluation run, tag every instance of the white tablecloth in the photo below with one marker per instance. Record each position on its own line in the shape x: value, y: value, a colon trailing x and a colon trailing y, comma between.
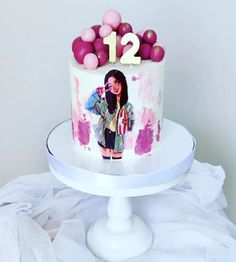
x: 41, y: 220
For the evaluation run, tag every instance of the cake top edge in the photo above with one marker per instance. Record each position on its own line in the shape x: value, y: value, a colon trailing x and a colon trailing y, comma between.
x: 129, y: 69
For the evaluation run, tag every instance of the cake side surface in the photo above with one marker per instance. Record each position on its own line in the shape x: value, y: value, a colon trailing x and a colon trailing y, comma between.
x: 128, y: 124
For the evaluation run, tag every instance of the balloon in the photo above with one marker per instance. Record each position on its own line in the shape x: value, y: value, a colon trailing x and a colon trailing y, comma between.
x: 88, y: 35
x: 90, y: 61
x: 113, y: 18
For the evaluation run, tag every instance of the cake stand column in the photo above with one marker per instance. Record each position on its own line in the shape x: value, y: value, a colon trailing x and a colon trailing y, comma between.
x: 120, y: 234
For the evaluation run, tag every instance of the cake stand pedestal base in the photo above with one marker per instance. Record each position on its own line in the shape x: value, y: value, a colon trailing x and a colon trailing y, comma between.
x: 119, y: 235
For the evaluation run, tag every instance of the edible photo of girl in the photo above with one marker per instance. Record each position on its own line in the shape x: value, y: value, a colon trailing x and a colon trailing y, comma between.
x: 116, y: 114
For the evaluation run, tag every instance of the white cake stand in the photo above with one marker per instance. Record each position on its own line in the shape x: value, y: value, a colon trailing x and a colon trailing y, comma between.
x: 121, y: 234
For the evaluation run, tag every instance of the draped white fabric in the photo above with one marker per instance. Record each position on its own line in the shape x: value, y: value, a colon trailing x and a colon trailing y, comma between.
x: 42, y: 220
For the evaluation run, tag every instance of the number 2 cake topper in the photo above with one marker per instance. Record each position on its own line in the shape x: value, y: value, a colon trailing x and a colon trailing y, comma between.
x: 114, y: 40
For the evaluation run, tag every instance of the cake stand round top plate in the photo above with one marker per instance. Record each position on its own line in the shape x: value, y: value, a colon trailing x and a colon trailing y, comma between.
x: 132, y: 177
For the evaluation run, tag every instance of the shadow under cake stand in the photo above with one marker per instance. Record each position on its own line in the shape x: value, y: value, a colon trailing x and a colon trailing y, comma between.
x: 121, y: 234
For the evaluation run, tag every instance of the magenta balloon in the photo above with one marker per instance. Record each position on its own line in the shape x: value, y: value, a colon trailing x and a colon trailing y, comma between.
x: 144, y: 51
x: 124, y: 28
x: 140, y: 38
x: 150, y: 37
x: 157, y: 53
x: 102, y: 57
x: 96, y: 29
x: 98, y: 45
x: 81, y: 49
x: 75, y: 42
x: 119, y: 46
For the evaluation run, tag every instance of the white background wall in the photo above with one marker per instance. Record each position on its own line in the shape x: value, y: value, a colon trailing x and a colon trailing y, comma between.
x: 35, y: 39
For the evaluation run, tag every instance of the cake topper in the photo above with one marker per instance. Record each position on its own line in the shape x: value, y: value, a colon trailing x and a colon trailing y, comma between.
x: 115, y: 40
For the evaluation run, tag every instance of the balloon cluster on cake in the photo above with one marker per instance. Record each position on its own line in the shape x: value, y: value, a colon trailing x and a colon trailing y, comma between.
x: 89, y: 48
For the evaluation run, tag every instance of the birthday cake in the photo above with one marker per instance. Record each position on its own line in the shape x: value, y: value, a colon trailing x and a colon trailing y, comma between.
x: 117, y: 84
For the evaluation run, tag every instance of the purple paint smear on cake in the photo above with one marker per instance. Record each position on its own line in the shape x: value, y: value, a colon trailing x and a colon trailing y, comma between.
x: 158, y: 136
x: 135, y: 77
x: 84, y: 131
x: 144, y: 140
x: 148, y: 116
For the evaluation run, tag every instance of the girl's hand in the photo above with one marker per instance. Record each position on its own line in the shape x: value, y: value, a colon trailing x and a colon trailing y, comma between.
x: 100, y: 90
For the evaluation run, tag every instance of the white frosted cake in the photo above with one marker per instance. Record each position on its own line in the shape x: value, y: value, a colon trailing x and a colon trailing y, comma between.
x: 117, y: 109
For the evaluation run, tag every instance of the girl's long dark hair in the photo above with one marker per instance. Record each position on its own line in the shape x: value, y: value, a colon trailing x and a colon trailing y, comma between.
x: 110, y: 97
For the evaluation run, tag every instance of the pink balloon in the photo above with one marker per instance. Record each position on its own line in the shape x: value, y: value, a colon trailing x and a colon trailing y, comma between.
x: 90, y: 61
x: 112, y: 17
x: 88, y: 35
x: 126, y: 48
x: 105, y: 30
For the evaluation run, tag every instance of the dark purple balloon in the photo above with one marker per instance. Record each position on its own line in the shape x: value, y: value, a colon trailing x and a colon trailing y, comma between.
x: 124, y: 28
x: 81, y: 49
x: 96, y: 29
x: 157, y: 53
x: 144, y: 51
x: 119, y: 46
x: 102, y: 57
x: 75, y: 42
x: 140, y: 38
x: 150, y: 37
x: 98, y: 45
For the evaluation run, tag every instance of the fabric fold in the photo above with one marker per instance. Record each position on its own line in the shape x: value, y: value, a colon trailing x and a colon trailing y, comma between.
x: 42, y: 220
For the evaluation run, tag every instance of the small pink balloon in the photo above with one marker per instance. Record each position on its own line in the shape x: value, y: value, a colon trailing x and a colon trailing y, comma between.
x: 126, y: 48
x: 157, y: 53
x: 88, y: 35
x: 105, y: 30
x: 112, y: 17
x: 90, y: 61
x: 102, y: 57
